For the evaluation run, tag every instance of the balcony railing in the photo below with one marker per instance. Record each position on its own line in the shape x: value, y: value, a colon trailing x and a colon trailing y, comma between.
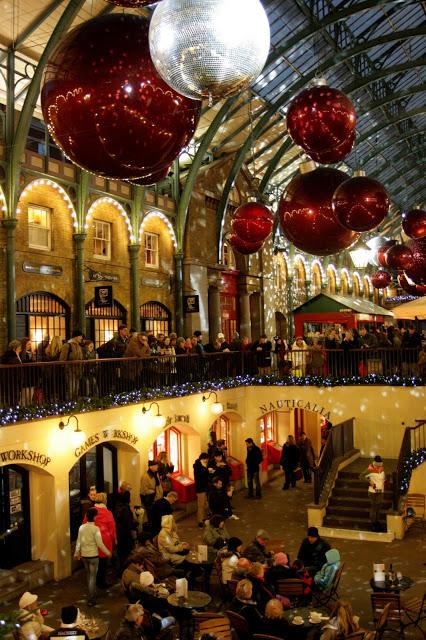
x: 46, y: 383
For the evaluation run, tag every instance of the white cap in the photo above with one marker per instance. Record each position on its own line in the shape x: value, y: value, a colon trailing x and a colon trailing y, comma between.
x: 26, y: 599
x: 220, y: 335
x: 146, y: 578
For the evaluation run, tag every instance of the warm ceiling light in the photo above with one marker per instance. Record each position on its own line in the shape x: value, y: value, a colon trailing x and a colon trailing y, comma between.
x: 158, y: 421
x: 77, y: 436
x: 360, y: 255
x: 217, y: 407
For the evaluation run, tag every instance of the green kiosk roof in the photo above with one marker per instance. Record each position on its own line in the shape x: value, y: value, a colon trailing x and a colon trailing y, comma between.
x: 326, y: 302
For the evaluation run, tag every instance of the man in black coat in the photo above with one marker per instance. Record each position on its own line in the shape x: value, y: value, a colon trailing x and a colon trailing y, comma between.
x: 160, y: 508
x: 220, y: 468
x: 202, y: 480
x: 253, y: 461
x: 312, y: 551
x: 220, y: 499
x: 290, y: 457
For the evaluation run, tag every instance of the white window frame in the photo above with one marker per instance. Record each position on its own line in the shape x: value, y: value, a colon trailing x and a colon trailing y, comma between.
x: 105, y: 225
x: 48, y: 228
x: 154, y: 239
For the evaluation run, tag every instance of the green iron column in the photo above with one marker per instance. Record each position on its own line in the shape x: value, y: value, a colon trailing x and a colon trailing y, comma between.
x: 10, y: 225
x: 134, y: 286
x: 179, y: 293
x: 80, y: 315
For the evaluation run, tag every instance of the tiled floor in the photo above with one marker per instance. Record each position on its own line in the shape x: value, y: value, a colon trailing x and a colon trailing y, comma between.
x: 283, y: 515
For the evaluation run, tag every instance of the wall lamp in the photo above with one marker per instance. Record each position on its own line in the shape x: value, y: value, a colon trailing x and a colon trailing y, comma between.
x: 78, y: 436
x: 158, y: 420
x: 217, y: 407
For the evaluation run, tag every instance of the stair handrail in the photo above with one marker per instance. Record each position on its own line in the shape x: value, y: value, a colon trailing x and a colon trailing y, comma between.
x: 412, y: 440
x: 340, y: 441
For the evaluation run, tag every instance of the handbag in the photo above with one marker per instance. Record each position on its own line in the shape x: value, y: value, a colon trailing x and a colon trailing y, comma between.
x: 298, y: 473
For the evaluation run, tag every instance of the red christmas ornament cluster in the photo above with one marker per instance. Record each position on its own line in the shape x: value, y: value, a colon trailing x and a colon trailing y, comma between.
x: 251, y: 224
x: 417, y: 271
x: 106, y: 106
x: 399, y: 257
x: 306, y: 214
x: 360, y: 203
x: 322, y: 121
x: 381, y: 279
x: 382, y: 250
x: 414, y: 223
x: 246, y: 248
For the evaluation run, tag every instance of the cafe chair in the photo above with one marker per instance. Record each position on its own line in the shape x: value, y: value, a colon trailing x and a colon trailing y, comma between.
x: 415, y: 510
x: 415, y: 611
x: 382, y: 622
x: 293, y: 589
x: 395, y: 615
x: 232, y: 586
x: 327, y: 598
x: 239, y: 625
x: 214, y: 623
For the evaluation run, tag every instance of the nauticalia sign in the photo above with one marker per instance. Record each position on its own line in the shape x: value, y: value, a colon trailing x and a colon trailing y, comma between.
x: 294, y: 404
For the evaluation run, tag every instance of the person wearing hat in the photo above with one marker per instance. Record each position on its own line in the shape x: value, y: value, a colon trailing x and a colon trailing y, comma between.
x: 30, y: 619
x: 69, y: 625
x: 376, y: 476
x: 224, y: 346
x: 230, y: 557
x: 139, y: 625
x: 138, y: 585
x: 256, y: 551
x: 280, y: 569
x: 73, y: 351
x: 147, y: 550
x: 151, y: 488
x: 312, y: 551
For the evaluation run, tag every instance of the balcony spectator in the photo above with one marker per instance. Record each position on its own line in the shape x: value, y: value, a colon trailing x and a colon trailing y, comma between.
x: 299, y: 357
x: 72, y: 352
x: 262, y: 348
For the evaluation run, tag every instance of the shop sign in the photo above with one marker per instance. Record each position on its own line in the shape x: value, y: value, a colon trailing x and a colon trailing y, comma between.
x: 42, y: 269
x: 295, y: 404
x: 105, y: 434
x: 99, y: 276
x: 15, y: 501
x: 103, y: 297
x: 157, y: 283
x: 24, y: 455
x: 191, y: 304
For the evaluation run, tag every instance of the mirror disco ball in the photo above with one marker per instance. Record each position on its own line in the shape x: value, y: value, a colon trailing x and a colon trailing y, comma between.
x: 209, y: 48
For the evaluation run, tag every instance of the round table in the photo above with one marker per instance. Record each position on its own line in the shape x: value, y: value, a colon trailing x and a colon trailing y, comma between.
x: 195, y: 600
x: 305, y: 612
x: 206, y: 567
x: 392, y: 587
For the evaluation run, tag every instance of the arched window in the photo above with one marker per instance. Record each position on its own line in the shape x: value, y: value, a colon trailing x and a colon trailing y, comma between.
x: 228, y: 257
x: 102, y: 323
x: 299, y: 295
x: 331, y: 280
x: 367, y: 289
x: 221, y: 428
x: 344, y: 283
x: 316, y: 280
x: 267, y: 429
x: 41, y: 315
x: 155, y: 318
x: 169, y: 441
x: 280, y: 273
x: 356, y: 286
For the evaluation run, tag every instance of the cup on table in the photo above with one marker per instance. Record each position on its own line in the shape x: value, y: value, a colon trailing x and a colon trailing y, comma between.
x: 399, y: 576
x: 297, y: 620
x: 315, y: 617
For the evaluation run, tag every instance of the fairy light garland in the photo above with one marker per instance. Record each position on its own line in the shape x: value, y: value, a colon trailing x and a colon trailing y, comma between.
x: 117, y: 205
x: 163, y: 218
x: 45, y: 181
x: 415, y: 459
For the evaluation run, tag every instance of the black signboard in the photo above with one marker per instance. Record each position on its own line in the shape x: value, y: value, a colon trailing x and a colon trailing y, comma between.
x: 103, y: 297
x: 191, y: 304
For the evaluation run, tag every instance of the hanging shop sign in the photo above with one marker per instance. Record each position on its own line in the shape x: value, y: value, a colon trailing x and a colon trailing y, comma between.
x: 105, y: 434
x: 101, y: 276
x: 157, y: 283
x: 295, y: 404
x: 24, y: 455
x: 42, y: 269
x: 103, y: 297
x: 191, y: 304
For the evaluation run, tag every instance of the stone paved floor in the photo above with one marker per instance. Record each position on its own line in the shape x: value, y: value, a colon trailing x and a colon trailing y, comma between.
x: 283, y: 514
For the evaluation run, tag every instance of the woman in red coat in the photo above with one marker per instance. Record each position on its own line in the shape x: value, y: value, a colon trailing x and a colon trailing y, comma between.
x: 106, y: 523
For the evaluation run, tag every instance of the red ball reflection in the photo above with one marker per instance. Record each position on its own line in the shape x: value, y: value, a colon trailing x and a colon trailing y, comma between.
x: 252, y: 222
x: 321, y: 119
x: 414, y: 223
x: 381, y: 279
x: 410, y: 287
x: 243, y: 247
x: 106, y: 106
x: 381, y: 252
x: 360, y: 203
x: 306, y: 216
x: 399, y: 257
x: 151, y: 178
x: 417, y: 270
x: 333, y: 155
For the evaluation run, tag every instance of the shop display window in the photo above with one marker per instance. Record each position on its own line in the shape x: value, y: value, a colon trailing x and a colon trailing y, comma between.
x: 221, y: 428
x: 169, y: 441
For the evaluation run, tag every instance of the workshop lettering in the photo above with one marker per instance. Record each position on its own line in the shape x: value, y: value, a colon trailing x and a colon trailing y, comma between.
x: 25, y: 455
x: 103, y: 435
x: 295, y: 404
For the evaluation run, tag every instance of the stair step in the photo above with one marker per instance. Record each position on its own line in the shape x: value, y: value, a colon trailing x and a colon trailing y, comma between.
x: 359, y: 524
x: 35, y: 572
x: 7, y: 578
x: 355, y: 484
x: 11, y: 592
x: 350, y: 501
x: 347, y: 512
x: 356, y: 493
x: 354, y: 475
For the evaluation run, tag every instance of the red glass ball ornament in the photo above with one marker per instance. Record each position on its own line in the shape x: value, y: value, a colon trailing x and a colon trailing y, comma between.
x: 246, y: 248
x: 105, y: 104
x: 399, y: 257
x: 381, y: 279
x: 381, y: 252
x: 410, y: 287
x: 414, y: 223
x: 151, y: 178
x: 334, y: 155
x: 417, y: 270
x: 132, y: 3
x: 252, y: 222
x: 306, y: 216
x: 320, y: 119
x: 360, y: 203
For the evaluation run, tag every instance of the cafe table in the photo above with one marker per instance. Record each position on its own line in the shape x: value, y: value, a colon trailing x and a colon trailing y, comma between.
x: 301, y: 631
x: 96, y: 628
x: 205, y: 566
x: 395, y: 586
x: 183, y: 608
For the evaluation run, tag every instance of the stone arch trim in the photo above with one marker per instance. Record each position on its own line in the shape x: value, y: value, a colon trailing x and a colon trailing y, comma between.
x: 50, y: 183
x: 114, y: 203
x: 163, y: 218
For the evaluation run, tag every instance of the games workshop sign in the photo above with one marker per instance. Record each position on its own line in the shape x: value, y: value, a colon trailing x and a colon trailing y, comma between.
x: 24, y: 455
x: 105, y: 434
x: 294, y: 404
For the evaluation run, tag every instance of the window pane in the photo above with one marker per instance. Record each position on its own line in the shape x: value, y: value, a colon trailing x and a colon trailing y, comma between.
x: 174, y: 448
x: 101, y: 239
x: 39, y: 234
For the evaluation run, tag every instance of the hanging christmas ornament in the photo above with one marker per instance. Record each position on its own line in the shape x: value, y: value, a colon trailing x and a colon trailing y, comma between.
x: 382, y: 250
x: 333, y: 155
x: 151, y: 178
x: 132, y: 3
x: 414, y: 223
x: 252, y: 222
x: 209, y: 48
x: 246, y: 248
x: 410, y: 287
x: 381, y: 279
x: 417, y: 270
x: 399, y: 257
x: 105, y: 105
x: 322, y: 119
x: 360, y: 203
x: 306, y: 215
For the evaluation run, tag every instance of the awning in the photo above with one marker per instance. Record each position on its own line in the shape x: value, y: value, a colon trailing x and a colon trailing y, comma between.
x: 411, y: 310
x: 324, y: 302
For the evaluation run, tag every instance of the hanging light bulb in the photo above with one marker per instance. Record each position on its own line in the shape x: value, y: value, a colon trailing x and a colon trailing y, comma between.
x: 77, y: 436
x: 216, y: 407
x: 159, y: 421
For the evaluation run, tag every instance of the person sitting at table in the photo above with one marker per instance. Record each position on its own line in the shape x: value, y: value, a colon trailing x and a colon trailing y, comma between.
x: 138, y: 624
x: 312, y: 551
x: 230, y: 557
x: 69, y: 626
x: 169, y: 544
x: 146, y: 550
x: 342, y: 622
x: 256, y: 551
x: 152, y: 596
x: 215, y: 536
x: 244, y: 604
x: 242, y: 568
x: 130, y: 577
x: 280, y: 569
x: 323, y: 579
x: 303, y: 574
x: 274, y: 621
x: 262, y: 590
x: 30, y: 620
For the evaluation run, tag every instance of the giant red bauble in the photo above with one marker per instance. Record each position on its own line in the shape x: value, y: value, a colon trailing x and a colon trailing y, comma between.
x: 151, y: 178
x: 410, y: 287
x: 360, y: 203
x: 306, y: 216
x: 132, y: 3
x: 417, y: 270
x: 321, y: 119
x: 246, y: 248
x: 252, y: 222
x: 331, y: 156
x: 414, y: 223
x: 105, y: 104
x: 381, y: 279
x: 382, y: 250
x: 399, y: 257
